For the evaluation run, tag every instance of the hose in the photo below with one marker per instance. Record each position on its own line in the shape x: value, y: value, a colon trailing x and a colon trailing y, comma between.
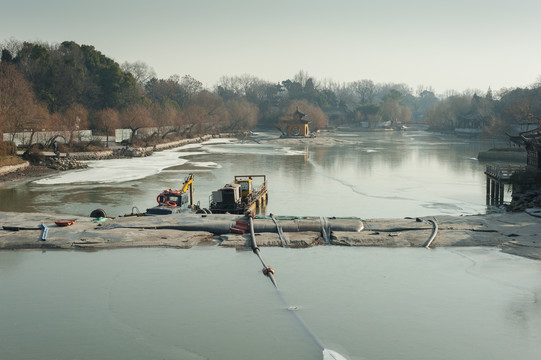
x: 434, y: 233
x: 279, y: 230
x: 267, y: 270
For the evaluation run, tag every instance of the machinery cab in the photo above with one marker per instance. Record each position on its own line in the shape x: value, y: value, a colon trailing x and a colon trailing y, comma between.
x: 174, y: 198
x: 240, y: 196
x: 245, y: 186
x: 174, y: 201
x: 227, y: 198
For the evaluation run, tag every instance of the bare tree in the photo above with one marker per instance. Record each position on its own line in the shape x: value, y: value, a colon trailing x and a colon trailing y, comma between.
x: 168, y: 119
x: 107, y: 121
x: 242, y: 114
x: 72, y: 120
x: 191, y: 85
x: 366, y: 91
x: 141, y: 72
x: 195, y: 120
x: 318, y: 119
x: 216, y: 116
x: 135, y: 117
x: 301, y: 77
x: 19, y: 109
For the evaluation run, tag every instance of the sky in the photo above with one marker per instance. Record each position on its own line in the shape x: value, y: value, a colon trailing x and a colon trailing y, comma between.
x: 448, y: 45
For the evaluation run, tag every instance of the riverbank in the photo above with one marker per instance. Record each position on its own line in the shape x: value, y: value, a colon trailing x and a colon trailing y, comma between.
x: 28, y: 170
x: 513, y: 233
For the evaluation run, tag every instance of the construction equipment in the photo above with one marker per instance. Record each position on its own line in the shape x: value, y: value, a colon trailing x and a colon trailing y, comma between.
x: 241, y: 196
x: 175, y: 201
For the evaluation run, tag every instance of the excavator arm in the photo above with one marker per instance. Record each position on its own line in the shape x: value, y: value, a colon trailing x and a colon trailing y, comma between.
x: 188, y: 183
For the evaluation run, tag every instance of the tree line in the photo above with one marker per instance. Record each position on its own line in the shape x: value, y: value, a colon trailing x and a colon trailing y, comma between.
x: 69, y: 87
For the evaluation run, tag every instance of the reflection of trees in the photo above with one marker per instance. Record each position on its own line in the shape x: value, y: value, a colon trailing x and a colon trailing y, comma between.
x: 394, y: 150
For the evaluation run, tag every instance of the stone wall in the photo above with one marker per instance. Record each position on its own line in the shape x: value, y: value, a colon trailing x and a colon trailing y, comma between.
x: 64, y: 163
x: 525, y: 199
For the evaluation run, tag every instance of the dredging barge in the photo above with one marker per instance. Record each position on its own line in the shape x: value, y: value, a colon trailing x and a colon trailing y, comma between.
x: 241, y: 196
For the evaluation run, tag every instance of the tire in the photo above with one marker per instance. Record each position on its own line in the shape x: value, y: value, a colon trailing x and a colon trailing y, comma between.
x: 98, y: 213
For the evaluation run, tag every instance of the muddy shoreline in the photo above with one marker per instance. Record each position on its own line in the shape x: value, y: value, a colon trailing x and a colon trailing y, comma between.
x: 28, y: 173
x: 514, y: 233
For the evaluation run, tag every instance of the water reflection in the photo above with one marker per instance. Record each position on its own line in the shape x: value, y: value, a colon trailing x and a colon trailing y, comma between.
x: 388, y: 174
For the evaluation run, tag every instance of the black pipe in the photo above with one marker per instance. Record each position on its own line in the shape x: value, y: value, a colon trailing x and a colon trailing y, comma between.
x: 267, y: 270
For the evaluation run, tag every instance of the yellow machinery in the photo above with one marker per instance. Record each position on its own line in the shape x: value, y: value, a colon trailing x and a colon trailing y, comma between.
x: 175, y: 201
x: 241, y: 196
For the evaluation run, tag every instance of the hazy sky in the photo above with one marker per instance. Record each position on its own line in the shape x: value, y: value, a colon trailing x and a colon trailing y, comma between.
x: 453, y: 44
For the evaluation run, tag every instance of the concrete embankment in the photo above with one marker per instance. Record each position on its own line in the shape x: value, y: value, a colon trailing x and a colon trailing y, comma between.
x: 513, y: 233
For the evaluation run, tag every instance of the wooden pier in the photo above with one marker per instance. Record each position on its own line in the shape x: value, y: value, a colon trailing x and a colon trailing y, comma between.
x: 497, y: 178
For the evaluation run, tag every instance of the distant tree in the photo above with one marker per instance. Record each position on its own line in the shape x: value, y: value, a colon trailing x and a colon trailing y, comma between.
x: 191, y: 85
x: 194, y: 116
x: 174, y: 89
x: 6, y: 56
x: 72, y: 120
x: 242, y: 114
x: 425, y: 100
x: 141, y: 72
x: 294, y: 89
x: 107, y: 121
x: 168, y: 119
x: 446, y: 114
x: 19, y: 109
x: 237, y: 86
x: 114, y: 88
x: 368, y: 112
x: 135, y: 117
x: 215, y: 114
x: 366, y: 91
x: 318, y: 119
x: 301, y: 77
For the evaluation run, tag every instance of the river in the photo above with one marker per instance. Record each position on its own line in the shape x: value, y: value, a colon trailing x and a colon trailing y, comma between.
x: 365, y: 174
x: 214, y: 303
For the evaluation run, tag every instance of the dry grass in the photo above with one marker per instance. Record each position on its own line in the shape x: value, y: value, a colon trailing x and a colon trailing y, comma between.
x: 10, y: 160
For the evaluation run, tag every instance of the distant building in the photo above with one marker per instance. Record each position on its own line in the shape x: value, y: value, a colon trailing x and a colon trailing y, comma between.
x: 298, y: 126
x: 531, y: 140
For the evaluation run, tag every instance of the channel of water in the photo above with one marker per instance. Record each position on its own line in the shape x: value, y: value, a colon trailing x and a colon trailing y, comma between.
x: 214, y: 303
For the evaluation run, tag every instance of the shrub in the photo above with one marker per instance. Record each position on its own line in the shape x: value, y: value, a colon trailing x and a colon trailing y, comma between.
x: 8, y: 148
x: 33, y: 155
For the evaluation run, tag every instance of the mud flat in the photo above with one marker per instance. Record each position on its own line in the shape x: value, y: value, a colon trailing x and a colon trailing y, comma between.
x: 514, y: 233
